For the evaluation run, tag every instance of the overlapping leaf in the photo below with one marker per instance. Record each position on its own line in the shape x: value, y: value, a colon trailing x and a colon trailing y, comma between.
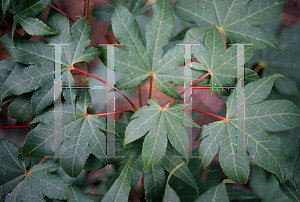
x: 264, y: 150
x: 286, y: 64
x: 39, y: 75
x: 171, y: 160
x: 81, y: 135
x: 121, y: 187
x: 170, y: 194
x: 287, y: 187
x: 23, y: 10
x: 74, y: 194
x: 237, y: 19
x: 27, y: 185
x: 104, y: 12
x: 217, y: 193
x: 154, y: 182
x: 221, y: 66
x: 162, y: 124
x: 142, y: 61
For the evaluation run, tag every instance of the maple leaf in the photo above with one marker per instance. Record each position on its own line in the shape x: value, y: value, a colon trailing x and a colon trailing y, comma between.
x: 19, y: 184
x: 221, y: 66
x: 264, y: 149
x: 162, y: 124
x: 142, y: 61
x: 39, y: 75
x: 286, y: 64
x: 81, y: 135
x: 237, y: 19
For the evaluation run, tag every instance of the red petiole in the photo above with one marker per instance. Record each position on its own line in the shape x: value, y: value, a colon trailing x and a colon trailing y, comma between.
x: 214, y: 115
x: 103, y: 114
x: 8, y: 27
x: 8, y: 127
x: 62, y: 13
x: 83, y: 72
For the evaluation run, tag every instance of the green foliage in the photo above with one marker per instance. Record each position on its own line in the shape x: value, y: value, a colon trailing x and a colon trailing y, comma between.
x: 152, y: 152
x: 237, y: 19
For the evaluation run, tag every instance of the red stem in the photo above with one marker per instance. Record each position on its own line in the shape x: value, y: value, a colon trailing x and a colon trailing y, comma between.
x: 62, y: 13
x: 214, y: 115
x: 1, y: 47
x: 86, y: 10
x: 83, y: 72
x: 150, y: 90
x: 42, y: 160
x: 7, y: 127
x: 101, y: 114
x: 171, y: 102
x: 8, y: 27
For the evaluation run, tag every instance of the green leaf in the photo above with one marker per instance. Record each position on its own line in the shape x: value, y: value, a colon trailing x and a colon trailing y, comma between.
x: 264, y: 149
x: 81, y: 135
x: 27, y: 185
x: 121, y: 187
x: 171, y: 160
x: 26, y: 79
x: 266, y: 187
x: 286, y: 64
x: 40, y: 58
x: 237, y: 19
x: 5, y: 5
x: 103, y: 12
x: 74, y: 194
x: 154, y: 182
x: 288, y: 187
x: 34, y: 26
x: 217, y: 193
x: 161, y: 123
x: 221, y: 66
x: 93, y: 163
x: 142, y: 61
x: 6, y: 67
x: 170, y: 194
x: 29, y: 7
x: 20, y: 108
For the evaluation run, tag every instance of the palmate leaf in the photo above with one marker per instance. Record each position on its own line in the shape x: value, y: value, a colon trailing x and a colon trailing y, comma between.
x: 288, y: 187
x: 81, y: 135
x: 162, y: 124
x: 39, y: 75
x: 27, y: 185
x: 264, y: 149
x: 221, y: 66
x: 142, y: 61
x: 238, y: 19
x: 286, y: 64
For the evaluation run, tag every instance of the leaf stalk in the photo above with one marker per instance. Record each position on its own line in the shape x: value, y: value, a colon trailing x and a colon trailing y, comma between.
x: 83, y: 72
x: 214, y: 115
